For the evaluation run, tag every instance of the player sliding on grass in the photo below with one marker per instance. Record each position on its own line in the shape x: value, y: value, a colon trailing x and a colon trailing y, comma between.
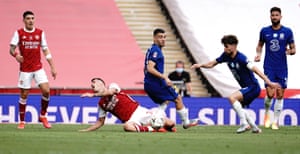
x: 135, y: 117
x: 242, y: 70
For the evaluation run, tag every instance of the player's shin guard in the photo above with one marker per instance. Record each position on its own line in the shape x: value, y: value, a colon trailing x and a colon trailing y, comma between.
x: 44, y: 105
x: 278, y: 106
x: 22, y: 109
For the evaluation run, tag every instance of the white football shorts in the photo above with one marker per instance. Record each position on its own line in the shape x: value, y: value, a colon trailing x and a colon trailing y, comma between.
x: 141, y: 116
x: 25, y: 78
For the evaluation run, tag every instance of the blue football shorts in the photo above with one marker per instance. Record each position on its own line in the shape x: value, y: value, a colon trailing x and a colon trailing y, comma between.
x: 249, y: 94
x: 279, y: 76
x: 160, y: 92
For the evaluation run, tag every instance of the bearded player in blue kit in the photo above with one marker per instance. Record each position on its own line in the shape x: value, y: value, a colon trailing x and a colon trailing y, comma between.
x: 242, y: 69
x: 157, y: 85
x: 277, y: 39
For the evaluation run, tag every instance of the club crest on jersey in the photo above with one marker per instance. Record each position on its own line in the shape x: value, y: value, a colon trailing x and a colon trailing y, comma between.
x: 154, y: 54
x: 24, y: 37
x: 275, y: 35
x: 234, y: 65
x: 37, y: 37
x: 281, y: 36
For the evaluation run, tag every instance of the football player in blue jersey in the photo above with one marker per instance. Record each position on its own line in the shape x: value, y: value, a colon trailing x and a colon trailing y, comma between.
x: 242, y: 69
x: 157, y: 85
x: 279, y: 42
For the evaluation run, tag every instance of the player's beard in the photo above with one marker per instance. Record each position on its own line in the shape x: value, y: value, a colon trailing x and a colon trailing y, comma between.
x: 275, y: 23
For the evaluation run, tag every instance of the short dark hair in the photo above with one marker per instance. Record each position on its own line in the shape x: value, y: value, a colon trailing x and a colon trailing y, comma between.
x: 275, y: 9
x: 158, y: 30
x: 229, y: 39
x: 96, y: 78
x: 179, y: 62
x: 27, y: 13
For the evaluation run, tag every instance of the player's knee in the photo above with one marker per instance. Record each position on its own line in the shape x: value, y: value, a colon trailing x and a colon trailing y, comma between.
x: 46, y: 92
x: 128, y: 127
x: 178, y: 100
x: 24, y: 93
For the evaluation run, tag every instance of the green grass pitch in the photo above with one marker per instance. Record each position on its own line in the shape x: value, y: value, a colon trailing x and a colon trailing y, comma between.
x: 111, y: 139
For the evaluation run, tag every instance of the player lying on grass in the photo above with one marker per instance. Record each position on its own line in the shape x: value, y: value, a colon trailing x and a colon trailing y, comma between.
x: 135, y: 117
x: 242, y: 70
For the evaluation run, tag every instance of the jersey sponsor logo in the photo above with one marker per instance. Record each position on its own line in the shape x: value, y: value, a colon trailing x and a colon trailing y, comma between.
x: 31, y: 44
x: 275, y: 46
x: 111, y: 103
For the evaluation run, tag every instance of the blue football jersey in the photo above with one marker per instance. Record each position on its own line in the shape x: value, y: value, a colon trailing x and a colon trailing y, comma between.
x: 154, y: 54
x: 276, y: 42
x: 239, y: 69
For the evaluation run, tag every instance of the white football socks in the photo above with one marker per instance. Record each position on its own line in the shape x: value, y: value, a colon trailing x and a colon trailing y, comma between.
x: 250, y: 120
x: 240, y: 111
x: 163, y: 106
x: 268, y: 103
x: 278, y: 106
x: 183, y: 115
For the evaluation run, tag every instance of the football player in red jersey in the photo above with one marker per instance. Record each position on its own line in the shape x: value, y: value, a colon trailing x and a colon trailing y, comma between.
x: 31, y: 41
x: 135, y: 117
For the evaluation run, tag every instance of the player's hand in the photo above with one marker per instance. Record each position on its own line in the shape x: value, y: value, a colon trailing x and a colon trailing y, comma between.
x: 19, y: 58
x: 169, y: 82
x: 257, y: 58
x: 84, y: 130
x: 274, y: 85
x: 194, y: 66
x: 290, y: 52
x: 87, y: 95
x: 53, y: 73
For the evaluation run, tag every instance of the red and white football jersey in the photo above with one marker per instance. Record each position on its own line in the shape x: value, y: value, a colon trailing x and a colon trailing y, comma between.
x: 29, y: 43
x: 120, y: 105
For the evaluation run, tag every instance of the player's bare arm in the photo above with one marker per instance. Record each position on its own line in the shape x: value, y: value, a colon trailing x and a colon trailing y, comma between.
x: 258, y: 51
x: 151, y: 69
x: 13, y: 53
x: 210, y: 64
x: 291, y: 50
x: 107, y: 92
x: 99, y: 123
x: 48, y: 56
x: 265, y: 78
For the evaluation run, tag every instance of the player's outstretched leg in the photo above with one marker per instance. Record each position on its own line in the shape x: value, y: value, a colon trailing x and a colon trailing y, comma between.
x: 191, y: 123
x: 243, y: 128
x: 183, y: 113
